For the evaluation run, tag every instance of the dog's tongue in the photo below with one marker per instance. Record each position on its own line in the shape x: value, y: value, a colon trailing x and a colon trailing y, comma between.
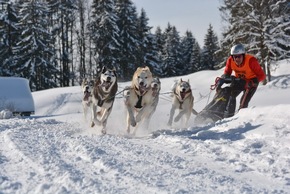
x: 106, y: 84
x: 142, y: 89
x: 182, y: 95
x: 154, y: 89
x: 87, y: 95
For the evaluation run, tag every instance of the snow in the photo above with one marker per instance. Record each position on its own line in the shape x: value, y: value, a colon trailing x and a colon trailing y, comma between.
x: 55, y: 150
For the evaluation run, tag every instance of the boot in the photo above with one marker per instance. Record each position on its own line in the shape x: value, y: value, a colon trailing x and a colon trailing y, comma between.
x: 228, y: 114
x: 230, y: 108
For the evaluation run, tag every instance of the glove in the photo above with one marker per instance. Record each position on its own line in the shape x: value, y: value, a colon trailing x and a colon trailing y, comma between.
x: 253, y: 83
x: 225, y: 76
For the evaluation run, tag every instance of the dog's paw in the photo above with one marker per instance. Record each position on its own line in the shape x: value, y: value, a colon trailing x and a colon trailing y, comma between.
x: 92, y: 124
x: 176, y: 119
x: 104, y: 131
x: 133, y: 123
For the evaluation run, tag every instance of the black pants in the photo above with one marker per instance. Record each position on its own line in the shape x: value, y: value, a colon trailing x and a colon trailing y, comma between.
x: 236, y: 89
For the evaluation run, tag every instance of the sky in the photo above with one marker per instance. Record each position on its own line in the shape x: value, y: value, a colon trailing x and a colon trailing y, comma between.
x: 55, y: 150
x: 193, y: 15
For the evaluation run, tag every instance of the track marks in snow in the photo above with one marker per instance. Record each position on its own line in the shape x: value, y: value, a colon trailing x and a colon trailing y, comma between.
x: 68, y: 160
x: 241, y: 156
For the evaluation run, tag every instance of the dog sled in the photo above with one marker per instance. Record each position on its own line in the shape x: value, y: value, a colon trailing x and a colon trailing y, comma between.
x: 214, y: 111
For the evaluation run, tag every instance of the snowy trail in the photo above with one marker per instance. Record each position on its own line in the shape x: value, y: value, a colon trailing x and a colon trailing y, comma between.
x: 69, y: 162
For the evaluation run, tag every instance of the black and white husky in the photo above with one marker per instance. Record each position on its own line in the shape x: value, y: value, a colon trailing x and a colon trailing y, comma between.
x: 103, y: 97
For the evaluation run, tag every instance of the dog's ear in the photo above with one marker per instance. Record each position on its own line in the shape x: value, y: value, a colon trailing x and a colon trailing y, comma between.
x: 98, y: 69
x: 104, y: 69
x: 146, y: 68
x: 84, y: 81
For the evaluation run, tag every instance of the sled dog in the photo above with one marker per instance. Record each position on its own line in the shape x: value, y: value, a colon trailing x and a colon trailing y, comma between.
x: 156, y: 87
x: 103, y: 97
x: 87, y: 89
x: 182, y: 100
x: 141, y: 98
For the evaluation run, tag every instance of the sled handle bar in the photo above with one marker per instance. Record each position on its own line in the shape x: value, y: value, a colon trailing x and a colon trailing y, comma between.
x: 224, y: 80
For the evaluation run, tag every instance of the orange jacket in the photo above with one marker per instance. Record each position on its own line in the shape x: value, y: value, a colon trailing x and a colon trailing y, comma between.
x: 249, y: 69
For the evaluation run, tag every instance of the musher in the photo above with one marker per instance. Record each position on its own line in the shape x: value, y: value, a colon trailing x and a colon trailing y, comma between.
x: 248, y: 69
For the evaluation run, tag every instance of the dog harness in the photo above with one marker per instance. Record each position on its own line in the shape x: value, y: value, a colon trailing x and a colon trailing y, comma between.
x: 139, y: 102
x: 181, y: 99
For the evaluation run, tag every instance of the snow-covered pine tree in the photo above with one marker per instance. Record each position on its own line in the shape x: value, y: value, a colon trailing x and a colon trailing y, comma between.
x: 34, y: 58
x: 147, y: 51
x: 129, y: 43
x: 8, y: 35
x: 187, y: 45
x: 104, y: 33
x: 210, y: 59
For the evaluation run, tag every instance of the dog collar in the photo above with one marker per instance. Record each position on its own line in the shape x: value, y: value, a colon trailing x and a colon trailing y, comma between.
x: 179, y: 97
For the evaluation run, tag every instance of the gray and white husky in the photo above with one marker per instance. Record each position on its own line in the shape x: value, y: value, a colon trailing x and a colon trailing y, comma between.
x: 103, y: 97
x: 183, y: 101
x: 87, y: 89
x: 156, y: 87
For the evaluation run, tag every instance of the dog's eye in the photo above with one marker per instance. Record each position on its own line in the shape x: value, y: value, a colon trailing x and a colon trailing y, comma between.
x: 138, y: 77
x: 145, y: 77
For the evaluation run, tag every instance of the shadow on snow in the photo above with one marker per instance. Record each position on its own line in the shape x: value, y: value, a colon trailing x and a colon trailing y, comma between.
x: 204, y: 132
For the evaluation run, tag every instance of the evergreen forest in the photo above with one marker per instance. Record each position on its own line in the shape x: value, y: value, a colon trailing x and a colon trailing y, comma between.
x: 57, y: 43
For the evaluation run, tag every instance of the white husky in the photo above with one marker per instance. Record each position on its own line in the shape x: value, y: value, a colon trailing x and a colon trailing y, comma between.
x: 182, y: 100
x: 141, y: 98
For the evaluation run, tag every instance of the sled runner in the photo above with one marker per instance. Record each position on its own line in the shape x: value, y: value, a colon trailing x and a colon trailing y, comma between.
x: 214, y: 111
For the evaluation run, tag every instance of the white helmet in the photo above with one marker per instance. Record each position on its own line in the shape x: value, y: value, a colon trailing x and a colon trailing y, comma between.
x: 238, y: 49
